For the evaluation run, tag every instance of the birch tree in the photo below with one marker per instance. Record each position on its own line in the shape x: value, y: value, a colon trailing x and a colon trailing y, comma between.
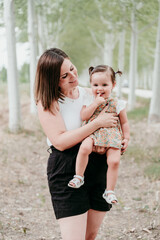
x: 121, y: 55
x: 41, y: 35
x: 13, y: 90
x: 109, y: 36
x: 33, y: 51
x: 109, y: 45
x: 133, y: 62
x: 154, y: 112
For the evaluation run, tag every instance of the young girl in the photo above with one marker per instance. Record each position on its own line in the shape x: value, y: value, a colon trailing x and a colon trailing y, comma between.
x: 114, y: 140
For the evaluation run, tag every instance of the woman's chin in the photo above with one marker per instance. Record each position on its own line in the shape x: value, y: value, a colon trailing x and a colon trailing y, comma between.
x: 74, y: 84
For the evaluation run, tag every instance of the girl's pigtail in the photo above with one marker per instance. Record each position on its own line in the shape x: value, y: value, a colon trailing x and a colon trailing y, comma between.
x: 118, y: 72
x: 90, y: 70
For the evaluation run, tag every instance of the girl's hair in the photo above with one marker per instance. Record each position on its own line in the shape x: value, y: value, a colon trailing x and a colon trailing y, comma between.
x: 104, y: 68
x: 47, y: 78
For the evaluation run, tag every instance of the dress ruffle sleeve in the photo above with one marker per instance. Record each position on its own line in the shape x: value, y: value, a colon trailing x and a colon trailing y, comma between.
x: 121, y: 104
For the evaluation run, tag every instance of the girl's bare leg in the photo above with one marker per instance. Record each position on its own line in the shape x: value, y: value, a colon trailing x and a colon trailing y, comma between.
x: 73, y: 227
x: 113, y: 159
x: 94, y: 221
x: 82, y: 157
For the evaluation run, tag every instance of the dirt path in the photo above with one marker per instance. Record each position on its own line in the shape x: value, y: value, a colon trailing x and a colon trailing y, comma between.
x: 25, y: 207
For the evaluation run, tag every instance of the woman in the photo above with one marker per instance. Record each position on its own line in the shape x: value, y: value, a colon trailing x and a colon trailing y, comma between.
x: 59, y: 102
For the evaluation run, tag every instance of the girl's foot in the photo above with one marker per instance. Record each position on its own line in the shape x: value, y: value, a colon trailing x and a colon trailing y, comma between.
x: 110, y: 197
x: 76, y: 182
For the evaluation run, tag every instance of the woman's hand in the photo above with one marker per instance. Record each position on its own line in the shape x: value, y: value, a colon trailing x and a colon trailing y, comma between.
x: 107, y: 119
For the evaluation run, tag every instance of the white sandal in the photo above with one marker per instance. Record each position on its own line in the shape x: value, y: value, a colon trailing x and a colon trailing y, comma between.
x: 110, y: 198
x: 76, y: 182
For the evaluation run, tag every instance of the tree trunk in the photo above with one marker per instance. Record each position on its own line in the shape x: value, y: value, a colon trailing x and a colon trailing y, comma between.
x: 108, y: 49
x: 133, y: 63
x: 13, y: 89
x: 154, y: 112
x: 41, y: 34
x: 121, y: 55
x: 33, y: 51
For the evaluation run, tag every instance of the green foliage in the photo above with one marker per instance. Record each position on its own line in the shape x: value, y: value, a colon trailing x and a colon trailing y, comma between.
x: 21, y: 20
x: 24, y: 73
x: 75, y: 36
x: 147, y: 28
x: 3, y: 75
x: 79, y: 27
x: 1, y: 14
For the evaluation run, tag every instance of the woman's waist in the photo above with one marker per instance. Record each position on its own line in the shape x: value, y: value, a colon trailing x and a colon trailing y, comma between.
x: 74, y: 148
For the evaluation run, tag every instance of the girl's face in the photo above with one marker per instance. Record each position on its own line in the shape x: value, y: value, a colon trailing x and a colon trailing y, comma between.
x: 101, y: 84
x: 68, y: 76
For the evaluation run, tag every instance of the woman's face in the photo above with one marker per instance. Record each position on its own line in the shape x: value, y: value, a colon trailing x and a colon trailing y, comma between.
x: 68, y: 76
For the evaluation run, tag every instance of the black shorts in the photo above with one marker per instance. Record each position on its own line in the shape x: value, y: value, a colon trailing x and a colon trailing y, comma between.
x: 69, y: 201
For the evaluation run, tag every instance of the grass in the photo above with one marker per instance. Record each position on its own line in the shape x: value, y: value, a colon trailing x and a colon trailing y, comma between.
x: 137, y: 153
x: 150, y: 157
x: 153, y: 171
x: 24, y: 88
x: 140, y: 112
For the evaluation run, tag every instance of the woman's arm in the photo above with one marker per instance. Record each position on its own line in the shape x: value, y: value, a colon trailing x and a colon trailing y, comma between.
x: 54, y: 128
x: 125, y: 129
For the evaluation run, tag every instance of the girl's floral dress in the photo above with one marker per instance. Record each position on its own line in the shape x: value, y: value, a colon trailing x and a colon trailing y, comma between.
x: 108, y: 137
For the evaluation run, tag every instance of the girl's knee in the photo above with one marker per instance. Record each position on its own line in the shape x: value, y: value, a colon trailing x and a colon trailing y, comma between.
x: 85, y: 149
x: 114, y: 163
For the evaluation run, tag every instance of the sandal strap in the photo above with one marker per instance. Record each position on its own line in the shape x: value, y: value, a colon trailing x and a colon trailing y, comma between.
x: 76, y: 181
x: 78, y: 176
x: 109, y: 191
x: 109, y: 197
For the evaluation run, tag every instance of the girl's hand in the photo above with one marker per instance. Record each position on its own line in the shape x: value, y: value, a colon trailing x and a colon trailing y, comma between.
x: 99, y: 100
x: 124, y: 145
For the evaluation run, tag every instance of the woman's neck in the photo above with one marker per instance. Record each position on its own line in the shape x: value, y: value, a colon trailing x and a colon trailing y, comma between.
x: 71, y: 93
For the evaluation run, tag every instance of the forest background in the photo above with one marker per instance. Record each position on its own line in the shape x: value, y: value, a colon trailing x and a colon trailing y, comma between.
x: 124, y: 34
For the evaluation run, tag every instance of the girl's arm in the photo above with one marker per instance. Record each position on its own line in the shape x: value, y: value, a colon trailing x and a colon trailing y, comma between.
x: 87, y: 111
x: 54, y: 127
x: 125, y: 129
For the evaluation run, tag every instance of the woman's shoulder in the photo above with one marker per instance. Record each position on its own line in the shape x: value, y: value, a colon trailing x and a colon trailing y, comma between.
x: 54, y: 108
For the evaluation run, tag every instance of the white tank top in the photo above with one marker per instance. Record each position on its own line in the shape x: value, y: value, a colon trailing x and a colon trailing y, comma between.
x: 70, y: 111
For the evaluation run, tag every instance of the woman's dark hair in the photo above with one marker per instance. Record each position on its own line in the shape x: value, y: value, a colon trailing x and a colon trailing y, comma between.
x: 104, y: 68
x: 47, y: 88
